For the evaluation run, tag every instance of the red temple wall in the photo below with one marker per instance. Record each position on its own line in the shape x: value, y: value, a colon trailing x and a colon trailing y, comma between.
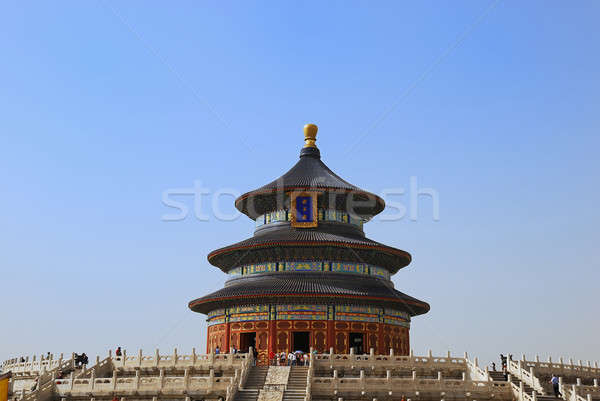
x: 277, y: 336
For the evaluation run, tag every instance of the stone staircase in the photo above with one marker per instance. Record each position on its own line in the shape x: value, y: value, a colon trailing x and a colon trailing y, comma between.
x: 254, y: 383
x: 526, y: 388
x: 256, y: 377
x: 497, y: 376
x: 45, y: 382
x: 247, y: 395
x: 545, y: 397
x: 296, y: 385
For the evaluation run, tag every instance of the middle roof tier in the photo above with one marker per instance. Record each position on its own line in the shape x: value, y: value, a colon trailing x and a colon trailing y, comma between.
x: 327, y: 242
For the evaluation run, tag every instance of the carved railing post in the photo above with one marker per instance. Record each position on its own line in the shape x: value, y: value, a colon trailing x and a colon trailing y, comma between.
x: 521, y: 390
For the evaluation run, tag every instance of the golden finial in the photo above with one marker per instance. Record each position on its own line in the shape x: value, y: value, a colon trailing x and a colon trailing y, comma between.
x: 310, y: 135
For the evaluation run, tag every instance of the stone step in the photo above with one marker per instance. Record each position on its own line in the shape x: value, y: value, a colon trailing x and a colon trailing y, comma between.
x: 293, y: 396
x: 246, y: 395
x: 497, y: 376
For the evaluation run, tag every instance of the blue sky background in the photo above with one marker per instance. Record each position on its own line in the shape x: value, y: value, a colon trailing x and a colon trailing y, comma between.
x: 105, y: 105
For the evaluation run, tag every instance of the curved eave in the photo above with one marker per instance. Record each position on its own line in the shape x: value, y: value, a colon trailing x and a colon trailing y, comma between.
x: 226, y: 258
x: 262, y: 200
x: 205, y: 305
x: 301, y: 287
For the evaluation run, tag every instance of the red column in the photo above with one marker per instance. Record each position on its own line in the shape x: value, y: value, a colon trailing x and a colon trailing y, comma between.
x: 330, y: 335
x: 227, y: 335
x: 208, y: 341
x: 330, y: 328
x: 381, y: 348
x: 272, y: 337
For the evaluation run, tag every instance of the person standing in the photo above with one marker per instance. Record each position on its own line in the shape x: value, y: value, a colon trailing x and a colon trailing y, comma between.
x: 217, y: 350
x: 555, y: 386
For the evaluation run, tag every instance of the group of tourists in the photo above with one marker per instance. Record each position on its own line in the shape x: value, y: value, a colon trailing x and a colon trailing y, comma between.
x: 232, y: 350
x: 80, y: 360
x: 297, y: 358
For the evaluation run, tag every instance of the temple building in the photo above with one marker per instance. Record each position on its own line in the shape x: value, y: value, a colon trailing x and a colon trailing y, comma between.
x: 309, y: 277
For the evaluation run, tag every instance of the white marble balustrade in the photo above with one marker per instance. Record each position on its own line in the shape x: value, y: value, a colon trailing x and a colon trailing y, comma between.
x: 175, y: 360
x: 142, y: 385
x: 325, y: 385
x: 31, y: 365
x: 387, y: 361
x: 561, y: 368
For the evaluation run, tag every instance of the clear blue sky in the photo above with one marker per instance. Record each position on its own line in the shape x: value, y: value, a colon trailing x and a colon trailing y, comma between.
x: 105, y: 105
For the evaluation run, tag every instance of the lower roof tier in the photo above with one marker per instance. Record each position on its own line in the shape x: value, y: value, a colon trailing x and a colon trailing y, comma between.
x: 287, y: 244
x: 319, y: 287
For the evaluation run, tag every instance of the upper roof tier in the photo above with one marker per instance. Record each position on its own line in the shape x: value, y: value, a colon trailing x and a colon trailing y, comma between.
x: 310, y: 174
